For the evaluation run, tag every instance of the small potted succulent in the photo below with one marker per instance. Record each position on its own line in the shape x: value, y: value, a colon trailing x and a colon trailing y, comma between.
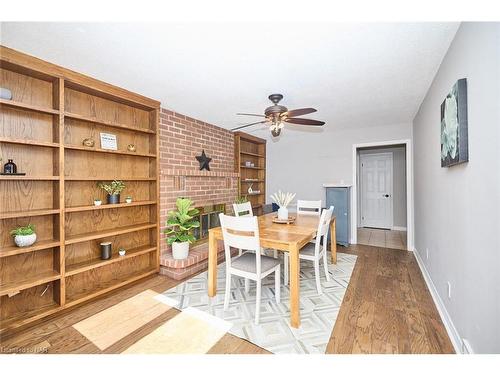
x: 113, y: 189
x: 97, y: 202
x: 180, y: 224
x: 24, y: 236
x: 282, y: 200
x: 122, y: 252
x: 128, y: 199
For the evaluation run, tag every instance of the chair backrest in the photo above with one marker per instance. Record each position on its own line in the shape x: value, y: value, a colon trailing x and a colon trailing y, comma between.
x: 241, y: 233
x: 323, y: 227
x: 312, y: 208
x: 242, y: 209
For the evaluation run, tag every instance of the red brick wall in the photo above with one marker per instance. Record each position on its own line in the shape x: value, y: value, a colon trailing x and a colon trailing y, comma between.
x: 181, y: 139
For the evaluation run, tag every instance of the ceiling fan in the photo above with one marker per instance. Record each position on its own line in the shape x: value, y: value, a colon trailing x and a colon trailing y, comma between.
x: 276, y: 115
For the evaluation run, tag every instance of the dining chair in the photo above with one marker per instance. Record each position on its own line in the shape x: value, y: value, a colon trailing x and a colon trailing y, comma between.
x: 243, y: 233
x: 315, y: 251
x: 312, y: 208
x: 245, y: 210
x: 242, y: 209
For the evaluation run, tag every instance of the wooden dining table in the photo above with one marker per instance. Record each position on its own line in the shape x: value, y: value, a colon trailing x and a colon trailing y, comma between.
x: 283, y: 237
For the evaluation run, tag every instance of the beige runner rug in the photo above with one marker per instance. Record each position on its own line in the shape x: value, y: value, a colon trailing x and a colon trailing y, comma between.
x: 114, y: 323
x: 190, y: 332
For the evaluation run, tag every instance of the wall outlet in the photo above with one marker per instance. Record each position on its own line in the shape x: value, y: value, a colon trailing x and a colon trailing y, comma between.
x: 427, y: 253
x: 449, y: 289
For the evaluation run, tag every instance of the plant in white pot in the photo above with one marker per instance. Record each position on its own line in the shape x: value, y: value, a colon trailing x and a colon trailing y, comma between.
x: 180, y: 224
x: 282, y: 200
x: 24, y: 236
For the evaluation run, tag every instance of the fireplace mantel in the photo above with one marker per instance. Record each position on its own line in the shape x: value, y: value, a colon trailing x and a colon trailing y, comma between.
x: 197, y: 173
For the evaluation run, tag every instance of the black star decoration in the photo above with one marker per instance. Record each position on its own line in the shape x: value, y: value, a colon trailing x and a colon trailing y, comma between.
x: 204, y: 161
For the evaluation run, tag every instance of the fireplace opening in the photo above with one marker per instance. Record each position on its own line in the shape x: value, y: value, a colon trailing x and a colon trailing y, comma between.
x: 208, y: 218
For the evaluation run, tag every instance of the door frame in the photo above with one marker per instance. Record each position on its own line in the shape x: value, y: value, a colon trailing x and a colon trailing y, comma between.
x: 410, y: 230
x: 391, y: 187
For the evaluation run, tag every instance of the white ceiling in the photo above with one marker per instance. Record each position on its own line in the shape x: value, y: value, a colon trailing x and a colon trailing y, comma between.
x: 356, y: 75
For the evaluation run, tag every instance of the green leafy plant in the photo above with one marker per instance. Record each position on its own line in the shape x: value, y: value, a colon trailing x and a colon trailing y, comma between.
x: 23, y: 231
x: 180, y: 223
x: 240, y: 200
x: 115, y: 187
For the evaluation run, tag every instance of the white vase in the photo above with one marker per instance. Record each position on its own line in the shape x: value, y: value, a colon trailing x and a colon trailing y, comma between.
x: 23, y: 241
x: 283, y: 213
x: 180, y: 250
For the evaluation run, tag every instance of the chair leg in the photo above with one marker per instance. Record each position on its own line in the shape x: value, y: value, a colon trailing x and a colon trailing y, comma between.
x: 316, y: 273
x: 228, y: 290
x: 247, y: 285
x: 276, y: 254
x: 277, y: 284
x: 287, y: 268
x: 240, y: 251
x: 257, y: 301
x: 325, y: 264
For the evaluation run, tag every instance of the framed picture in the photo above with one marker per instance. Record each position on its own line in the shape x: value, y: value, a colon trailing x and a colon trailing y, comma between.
x: 454, y: 139
x: 108, y: 141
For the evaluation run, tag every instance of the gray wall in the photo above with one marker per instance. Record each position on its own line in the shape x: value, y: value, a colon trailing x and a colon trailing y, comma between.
x: 399, y: 183
x: 457, y: 208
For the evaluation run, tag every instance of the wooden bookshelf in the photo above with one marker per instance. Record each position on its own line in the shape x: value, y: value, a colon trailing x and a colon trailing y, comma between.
x: 52, y: 110
x: 248, y: 148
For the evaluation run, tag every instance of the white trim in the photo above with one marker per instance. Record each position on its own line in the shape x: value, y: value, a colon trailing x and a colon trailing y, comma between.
x: 409, y: 187
x: 399, y: 228
x: 441, y: 308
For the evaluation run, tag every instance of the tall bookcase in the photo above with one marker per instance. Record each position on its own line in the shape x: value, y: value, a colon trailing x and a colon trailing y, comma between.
x: 42, y: 128
x: 248, y: 148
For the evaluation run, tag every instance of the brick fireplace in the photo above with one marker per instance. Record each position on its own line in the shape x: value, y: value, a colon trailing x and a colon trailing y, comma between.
x: 181, y: 139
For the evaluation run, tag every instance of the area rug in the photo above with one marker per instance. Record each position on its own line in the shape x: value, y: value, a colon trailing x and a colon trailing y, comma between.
x: 190, y: 332
x: 318, y: 313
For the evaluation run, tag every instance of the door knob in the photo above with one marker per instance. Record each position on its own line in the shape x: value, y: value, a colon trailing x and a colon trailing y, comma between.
x: 386, y: 195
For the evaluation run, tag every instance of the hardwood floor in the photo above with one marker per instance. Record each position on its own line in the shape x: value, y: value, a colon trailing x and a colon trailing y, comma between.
x: 387, y: 309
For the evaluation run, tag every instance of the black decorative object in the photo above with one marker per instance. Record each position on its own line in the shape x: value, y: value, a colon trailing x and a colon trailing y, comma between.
x: 105, y: 250
x: 10, y: 167
x: 204, y: 161
x: 113, y: 198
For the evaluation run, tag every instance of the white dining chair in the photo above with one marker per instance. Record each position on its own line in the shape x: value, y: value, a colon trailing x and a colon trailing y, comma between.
x: 242, y: 209
x: 315, y: 251
x: 243, y: 233
x: 312, y: 208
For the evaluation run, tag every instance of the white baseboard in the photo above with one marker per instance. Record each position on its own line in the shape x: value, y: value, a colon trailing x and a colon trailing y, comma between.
x: 399, y: 228
x: 455, y: 338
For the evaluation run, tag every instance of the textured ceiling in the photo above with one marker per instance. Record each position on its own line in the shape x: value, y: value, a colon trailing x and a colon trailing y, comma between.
x: 356, y: 75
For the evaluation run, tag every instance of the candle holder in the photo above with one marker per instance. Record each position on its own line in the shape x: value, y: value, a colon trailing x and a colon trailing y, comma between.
x: 105, y: 250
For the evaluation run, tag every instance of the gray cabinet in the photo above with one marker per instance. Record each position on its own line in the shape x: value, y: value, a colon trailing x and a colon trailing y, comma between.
x: 339, y: 198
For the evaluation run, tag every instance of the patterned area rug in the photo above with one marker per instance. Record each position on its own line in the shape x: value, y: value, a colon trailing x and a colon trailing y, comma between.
x: 318, y: 313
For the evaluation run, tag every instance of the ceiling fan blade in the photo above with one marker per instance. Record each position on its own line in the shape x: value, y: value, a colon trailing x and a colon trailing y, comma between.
x: 253, y: 123
x: 250, y: 114
x: 304, y: 121
x: 299, y: 112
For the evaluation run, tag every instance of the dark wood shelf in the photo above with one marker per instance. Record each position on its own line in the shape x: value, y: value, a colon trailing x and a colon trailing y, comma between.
x: 89, y: 265
x: 252, y: 154
x: 107, y: 233
x: 11, y: 215
x: 116, y: 152
x: 245, y: 167
x: 252, y: 182
x: 21, y: 105
x: 29, y: 282
x: 95, y: 120
x: 40, y: 245
x: 107, y: 286
x: 28, y: 142
x: 109, y: 206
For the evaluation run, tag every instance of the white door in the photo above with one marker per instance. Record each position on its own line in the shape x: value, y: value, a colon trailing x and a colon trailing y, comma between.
x: 376, y: 190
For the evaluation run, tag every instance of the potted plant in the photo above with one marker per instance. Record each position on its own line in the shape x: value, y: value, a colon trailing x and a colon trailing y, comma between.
x: 24, y: 236
x: 97, y: 202
x: 282, y: 200
x: 113, y: 189
x: 128, y: 199
x: 180, y: 224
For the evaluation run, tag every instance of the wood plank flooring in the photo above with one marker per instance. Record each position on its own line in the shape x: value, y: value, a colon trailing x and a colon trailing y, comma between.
x: 387, y: 309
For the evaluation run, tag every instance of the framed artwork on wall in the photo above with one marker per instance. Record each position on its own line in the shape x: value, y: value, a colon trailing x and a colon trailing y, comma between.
x: 454, y: 139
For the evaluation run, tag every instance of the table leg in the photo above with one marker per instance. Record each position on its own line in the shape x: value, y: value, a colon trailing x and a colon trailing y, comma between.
x: 212, y: 265
x: 294, y: 287
x: 333, y: 242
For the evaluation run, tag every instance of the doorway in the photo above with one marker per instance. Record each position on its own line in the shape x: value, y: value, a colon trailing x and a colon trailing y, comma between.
x: 382, y: 195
